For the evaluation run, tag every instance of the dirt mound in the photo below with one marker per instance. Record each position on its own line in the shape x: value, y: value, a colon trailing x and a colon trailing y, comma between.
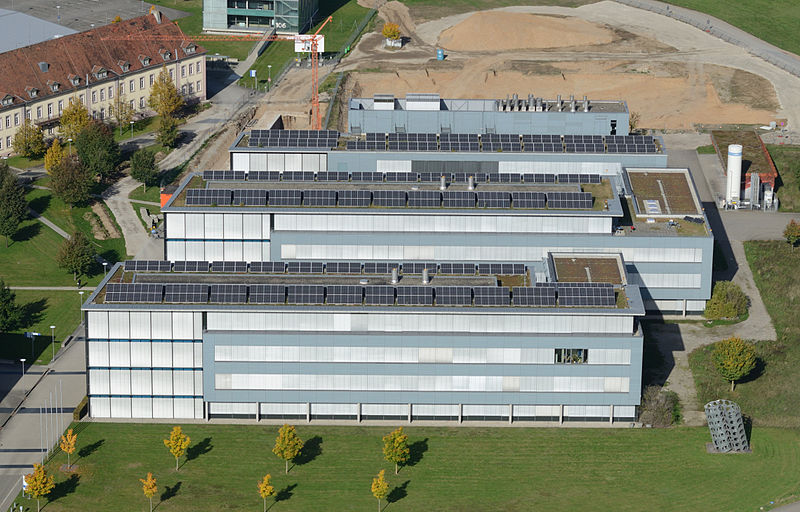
x: 498, y: 30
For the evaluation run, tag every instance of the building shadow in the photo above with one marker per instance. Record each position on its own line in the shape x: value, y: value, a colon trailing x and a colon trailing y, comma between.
x: 661, y: 340
x: 721, y: 243
x: 311, y: 450
x: 198, y: 449
x: 416, y: 451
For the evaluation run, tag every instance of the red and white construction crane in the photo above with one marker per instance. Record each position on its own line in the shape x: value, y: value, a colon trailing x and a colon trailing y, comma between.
x: 309, y: 42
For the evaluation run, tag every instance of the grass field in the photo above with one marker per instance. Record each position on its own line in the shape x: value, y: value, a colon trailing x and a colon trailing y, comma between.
x: 774, y: 21
x: 707, y: 150
x: 453, y: 469
x: 769, y: 395
x: 30, y: 259
x: 41, y: 310
x: 193, y: 25
x: 787, y: 161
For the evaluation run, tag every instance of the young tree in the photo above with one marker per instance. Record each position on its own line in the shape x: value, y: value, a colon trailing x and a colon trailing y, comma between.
x: 67, y: 444
x: 10, y: 312
x: 149, y: 487
x: 287, y: 445
x: 395, y: 448
x: 380, y: 487
x: 97, y: 149
x: 177, y: 443
x: 74, y: 118
x: 116, y: 19
x: 29, y: 141
x: 167, y: 131
x: 164, y: 96
x: 734, y: 358
x: 633, y: 121
x: 265, y: 490
x: 792, y: 233
x: 76, y: 255
x: 143, y: 167
x: 71, y: 181
x: 13, y: 205
x: 54, y: 156
x: 391, y: 31
x: 39, y: 483
x: 122, y: 111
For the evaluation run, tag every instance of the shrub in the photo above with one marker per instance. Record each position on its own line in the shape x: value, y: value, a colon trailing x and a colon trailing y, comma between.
x: 728, y: 301
x: 659, y: 408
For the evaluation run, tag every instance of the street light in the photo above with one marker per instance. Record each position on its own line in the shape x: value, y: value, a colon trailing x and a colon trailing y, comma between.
x: 105, y: 268
x: 269, y: 76
x: 69, y: 140
x: 53, y: 340
x: 131, y: 122
x: 23, y: 365
x: 58, y: 10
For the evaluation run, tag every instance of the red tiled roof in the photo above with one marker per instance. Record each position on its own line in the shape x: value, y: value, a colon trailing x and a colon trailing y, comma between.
x: 77, y: 55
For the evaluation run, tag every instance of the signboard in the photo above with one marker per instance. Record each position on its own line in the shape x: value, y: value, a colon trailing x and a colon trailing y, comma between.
x: 252, y: 73
x: 24, y: 484
x: 302, y: 43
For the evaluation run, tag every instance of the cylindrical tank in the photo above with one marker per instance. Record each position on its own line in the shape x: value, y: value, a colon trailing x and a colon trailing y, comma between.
x: 734, y: 185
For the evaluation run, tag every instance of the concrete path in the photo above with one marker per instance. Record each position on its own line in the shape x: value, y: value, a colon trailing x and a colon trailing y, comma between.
x: 148, y: 203
x: 116, y: 197
x: 53, y: 288
x: 48, y: 223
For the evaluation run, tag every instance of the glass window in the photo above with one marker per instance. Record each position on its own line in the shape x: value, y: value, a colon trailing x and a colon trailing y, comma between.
x: 198, y: 86
x: 151, y: 79
x: 102, y: 94
x: 191, y: 69
x: 8, y: 142
x: 571, y: 355
x: 132, y: 104
x: 49, y: 109
x: 171, y: 75
x: 131, y: 86
x: 102, y: 113
x: 16, y: 119
x: 198, y: 67
x: 60, y: 106
x: 83, y: 99
x: 191, y: 88
x: 183, y: 71
x: 141, y: 102
x: 141, y: 82
x: 183, y: 89
x: 110, y: 92
x: 94, y: 96
x: 8, y: 121
x: 1, y: 143
x: 38, y: 112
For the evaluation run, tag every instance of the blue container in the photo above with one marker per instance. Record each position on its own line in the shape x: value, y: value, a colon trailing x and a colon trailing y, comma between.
x: 439, y: 54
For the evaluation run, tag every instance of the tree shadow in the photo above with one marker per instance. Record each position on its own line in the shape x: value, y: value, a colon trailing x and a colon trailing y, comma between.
x: 398, y: 493
x: 32, y: 312
x: 41, y: 203
x: 748, y: 426
x: 61, y: 489
x: 170, y: 492
x: 311, y: 450
x: 285, y: 493
x: 758, y: 371
x: 90, y: 449
x: 199, y: 449
x: 416, y: 450
x: 27, y: 232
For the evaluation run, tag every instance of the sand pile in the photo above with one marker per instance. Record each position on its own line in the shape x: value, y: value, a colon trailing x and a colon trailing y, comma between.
x: 498, y: 30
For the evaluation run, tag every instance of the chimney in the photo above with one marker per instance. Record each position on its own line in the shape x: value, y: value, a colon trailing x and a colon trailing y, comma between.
x: 442, y: 183
x: 471, y: 183
x: 585, y: 104
x: 157, y: 16
x: 425, y: 278
x: 571, y: 103
x: 394, y: 276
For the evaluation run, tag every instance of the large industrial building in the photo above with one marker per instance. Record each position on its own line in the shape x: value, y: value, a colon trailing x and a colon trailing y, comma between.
x: 405, y: 275
x: 282, y: 16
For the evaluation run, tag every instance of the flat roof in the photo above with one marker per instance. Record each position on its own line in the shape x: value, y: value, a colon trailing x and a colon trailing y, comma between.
x: 660, y: 192
x: 589, y: 269
x: 18, y: 29
x: 527, y: 104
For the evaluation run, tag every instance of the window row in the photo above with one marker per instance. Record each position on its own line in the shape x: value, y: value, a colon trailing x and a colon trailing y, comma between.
x: 144, y: 354
x: 145, y: 382
x: 146, y: 407
x: 229, y: 250
x: 145, y: 325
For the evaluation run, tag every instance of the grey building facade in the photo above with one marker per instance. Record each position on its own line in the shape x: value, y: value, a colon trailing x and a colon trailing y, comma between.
x: 283, y: 16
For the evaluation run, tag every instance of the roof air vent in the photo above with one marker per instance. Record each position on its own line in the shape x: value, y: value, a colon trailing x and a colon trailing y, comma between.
x: 43, y: 66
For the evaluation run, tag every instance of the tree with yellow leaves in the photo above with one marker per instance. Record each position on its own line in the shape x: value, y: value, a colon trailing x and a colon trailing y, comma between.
x: 395, y: 448
x: 164, y: 96
x: 117, y: 19
x: 149, y: 487
x: 380, y: 487
x: 265, y: 490
x: 177, y: 443
x: 74, y: 119
x: 67, y: 444
x: 39, y: 483
x: 391, y: 31
x: 287, y: 445
x: 54, y: 156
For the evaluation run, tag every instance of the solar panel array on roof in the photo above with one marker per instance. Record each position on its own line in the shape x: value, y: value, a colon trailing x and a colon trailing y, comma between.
x: 457, y: 268
x: 527, y: 199
x: 268, y: 267
x: 305, y: 294
x: 569, y: 200
x: 414, y: 295
x: 284, y: 197
x: 537, y: 296
x: 453, y: 295
x: 360, y: 145
x: 297, y: 176
x: 586, y: 294
x: 491, y: 296
x: 223, y: 175
x: 579, y: 178
x: 493, y: 199
x: 319, y: 198
x: 458, y: 199
x: 379, y: 295
x: 504, y: 177
x: 369, y: 176
x: 264, y: 176
x: 134, y: 292
x: 228, y: 294
x: 433, y: 177
x: 416, y: 268
x: 344, y: 294
x: 396, y: 198
x: 543, y: 147
x: 267, y: 294
x: 354, y: 198
x: 539, y: 178
x: 379, y: 267
x: 375, y: 136
x: 424, y: 199
x: 250, y: 197
x: 185, y: 293
x: 304, y: 267
x: 400, y: 177
x: 147, y: 266
x: 501, y: 269
x: 343, y: 267
x: 207, y: 197
x: 333, y: 176
x: 229, y: 267
x: 190, y: 266
x: 293, y: 138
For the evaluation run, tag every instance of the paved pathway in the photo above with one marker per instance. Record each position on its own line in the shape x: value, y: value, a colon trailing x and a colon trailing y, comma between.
x: 33, y: 213
x: 53, y: 288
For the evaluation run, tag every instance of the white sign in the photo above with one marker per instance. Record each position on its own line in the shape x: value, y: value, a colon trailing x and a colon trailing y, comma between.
x: 302, y: 43
x: 24, y: 484
x: 252, y: 73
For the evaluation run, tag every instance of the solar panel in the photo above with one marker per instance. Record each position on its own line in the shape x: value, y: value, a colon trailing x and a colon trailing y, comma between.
x: 284, y: 197
x: 223, y: 175
x: 493, y: 199
x: 179, y: 293
x: 333, y: 176
x: 134, y: 292
x: 357, y: 198
x: 304, y: 267
x: 379, y: 295
x: 267, y: 294
x: 297, y: 176
x: 367, y: 176
x: 396, y: 198
x: 491, y: 296
x: 229, y: 266
x: 434, y: 177
x: 147, y: 266
x: 569, y: 200
x: 268, y: 267
x: 527, y: 199
x: 379, y: 267
x: 457, y: 268
x: 534, y: 296
x: 305, y: 294
x: 319, y: 197
x: 424, y: 198
x: 590, y: 295
x: 228, y: 294
x: 191, y: 266
x: 344, y: 294
x: 453, y: 295
x: 415, y: 295
x: 250, y: 197
x: 539, y: 178
x: 458, y: 199
x: 395, y: 177
x: 416, y: 268
x: 501, y: 269
x: 264, y: 176
x: 208, y: 197
x: 343, y: 267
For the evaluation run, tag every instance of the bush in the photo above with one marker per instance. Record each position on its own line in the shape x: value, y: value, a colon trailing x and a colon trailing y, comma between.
x: 659, y: 408
x: 81, y: 409
x: 728, y: 301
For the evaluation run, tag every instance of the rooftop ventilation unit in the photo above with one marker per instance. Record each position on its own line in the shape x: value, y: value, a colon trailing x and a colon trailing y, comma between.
x: 383, y: 102
x: 422, y: 101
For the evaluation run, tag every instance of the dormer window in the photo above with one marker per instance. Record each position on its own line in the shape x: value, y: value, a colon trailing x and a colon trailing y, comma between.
x: 124, y: 66
x: 74, y: 79
x: 165, y: 54
x: 7, y: 100
x: 190, y: 48
x: 144, y: 60
x: 54, y: 86
x: 99, y: 72
x: 32, y: 91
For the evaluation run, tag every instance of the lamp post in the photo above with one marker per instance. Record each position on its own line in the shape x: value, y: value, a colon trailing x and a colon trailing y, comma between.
x: 131, y: 122
x: 269, y: 76
x: 32, y: 336
x: 105, y: 268
x: 58, y: 10
x: 69, y: 140
x: 23, y: 365
x: 53, y: 340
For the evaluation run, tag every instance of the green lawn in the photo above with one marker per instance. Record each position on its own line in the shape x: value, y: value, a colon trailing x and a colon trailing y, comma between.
x: 140, y: 127
x: 20, y: 162
x: 454, y: 469
x: 152, y: 194
x: 787, y: 161
x: 769, y: 395
x: 193, y: 25
x: 41, y: 310
x: 774, y: 21
x: 706, y: 150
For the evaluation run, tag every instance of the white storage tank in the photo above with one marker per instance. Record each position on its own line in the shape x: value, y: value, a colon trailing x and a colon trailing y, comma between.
x: 734, y: 185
